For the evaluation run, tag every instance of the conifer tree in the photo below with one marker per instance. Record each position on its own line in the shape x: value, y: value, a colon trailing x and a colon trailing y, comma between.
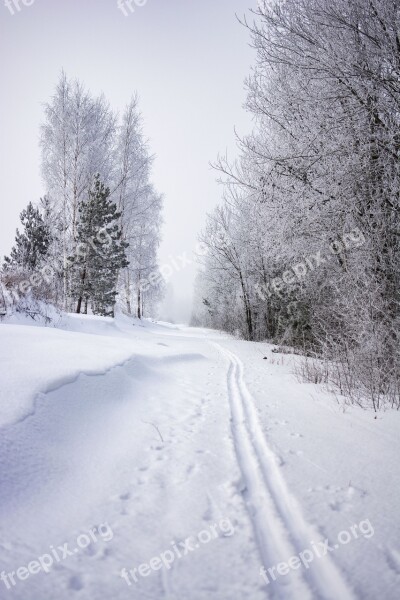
x: 32, y: 245
x: 99, y: 253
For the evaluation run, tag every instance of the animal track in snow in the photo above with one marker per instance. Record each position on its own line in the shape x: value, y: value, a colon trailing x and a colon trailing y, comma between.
x: 76, y: 583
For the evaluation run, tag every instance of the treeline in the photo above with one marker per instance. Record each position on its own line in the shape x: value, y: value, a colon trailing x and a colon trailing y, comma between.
x: 304, y: 249
x: 94, y: 237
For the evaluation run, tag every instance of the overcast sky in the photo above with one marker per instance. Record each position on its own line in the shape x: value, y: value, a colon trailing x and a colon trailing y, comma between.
x: 187, y: 59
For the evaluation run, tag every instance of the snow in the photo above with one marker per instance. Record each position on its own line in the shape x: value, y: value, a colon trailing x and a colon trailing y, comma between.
x: 38, y: 360
x: 138, y: 435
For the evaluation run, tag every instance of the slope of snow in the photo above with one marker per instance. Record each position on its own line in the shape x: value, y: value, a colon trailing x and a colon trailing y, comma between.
x: 148, y: 461
x: 37, y: 360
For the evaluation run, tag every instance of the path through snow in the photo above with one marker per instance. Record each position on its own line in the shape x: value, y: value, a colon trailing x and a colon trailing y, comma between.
x: 186, y: 451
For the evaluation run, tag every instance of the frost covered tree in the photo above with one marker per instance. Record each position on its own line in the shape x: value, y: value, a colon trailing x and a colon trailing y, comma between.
x: 77, y: 141
x: 140, y: 207
x: 80, y: 137
x: 320, y: 166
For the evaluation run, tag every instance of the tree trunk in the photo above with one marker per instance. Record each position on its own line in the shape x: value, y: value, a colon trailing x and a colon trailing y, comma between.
x: 80, y: 299
x: 139, y: 305
x: 128, y: 293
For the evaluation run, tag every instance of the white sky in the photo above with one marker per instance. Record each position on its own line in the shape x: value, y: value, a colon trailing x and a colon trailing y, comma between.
x: 187, y: 59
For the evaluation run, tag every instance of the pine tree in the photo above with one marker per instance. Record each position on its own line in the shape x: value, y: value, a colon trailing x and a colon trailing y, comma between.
x: 32, y: 245
x: 99, y: 253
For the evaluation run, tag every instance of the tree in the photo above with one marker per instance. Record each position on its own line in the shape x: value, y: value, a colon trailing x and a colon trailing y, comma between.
x: 322, y: 161
x: 81, y: 137
x: 100, y: 252
x: 77, y: 140
x: 32, y: 245
x: 140, y: 208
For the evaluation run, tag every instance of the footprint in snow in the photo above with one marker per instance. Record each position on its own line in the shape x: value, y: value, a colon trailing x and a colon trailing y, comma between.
x: 90, y: 550
x: 76, y: 583
x: 392, y: 556
x: 336, y: 506
x: 106, y: 553
x: 343, y: 500
x: 192, y: 469
x: 211, y: 509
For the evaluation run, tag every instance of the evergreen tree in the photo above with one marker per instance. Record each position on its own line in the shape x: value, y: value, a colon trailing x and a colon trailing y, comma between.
x: 99, y: 254
x: 32, y: 245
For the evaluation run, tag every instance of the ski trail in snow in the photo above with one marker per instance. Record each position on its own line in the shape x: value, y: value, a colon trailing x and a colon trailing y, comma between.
x: 279, y: 524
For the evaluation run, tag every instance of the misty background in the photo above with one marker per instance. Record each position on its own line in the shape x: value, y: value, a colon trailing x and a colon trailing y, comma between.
x: 186, y: 60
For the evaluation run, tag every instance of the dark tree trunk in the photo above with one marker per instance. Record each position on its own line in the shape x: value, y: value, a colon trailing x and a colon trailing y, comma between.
x: 139, y: 305
x: 80, y: 299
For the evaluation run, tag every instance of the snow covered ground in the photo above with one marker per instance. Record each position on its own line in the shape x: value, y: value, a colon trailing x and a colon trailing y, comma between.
x: 149, y: 461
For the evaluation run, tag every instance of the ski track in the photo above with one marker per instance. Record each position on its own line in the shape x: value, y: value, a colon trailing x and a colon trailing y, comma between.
x: 279, y: 525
